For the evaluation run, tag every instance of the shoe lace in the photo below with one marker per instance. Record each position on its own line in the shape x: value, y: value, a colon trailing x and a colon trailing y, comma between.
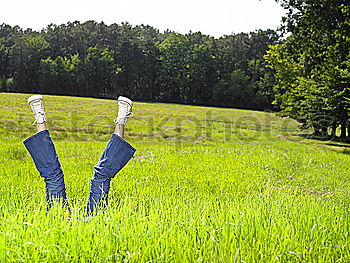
x: 124, y: 110
x: 38, y: 109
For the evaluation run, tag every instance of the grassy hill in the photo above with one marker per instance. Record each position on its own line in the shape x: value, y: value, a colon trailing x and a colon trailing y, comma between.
x: 206, y: 184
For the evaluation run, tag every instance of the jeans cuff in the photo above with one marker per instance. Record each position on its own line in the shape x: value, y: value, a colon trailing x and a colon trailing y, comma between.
x: 123, y: 141
x: 36, y: 135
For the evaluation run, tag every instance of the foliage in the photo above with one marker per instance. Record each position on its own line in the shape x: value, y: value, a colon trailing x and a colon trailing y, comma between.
x: 58, y: 76
x: 137, y: 61
x: 312, y: 65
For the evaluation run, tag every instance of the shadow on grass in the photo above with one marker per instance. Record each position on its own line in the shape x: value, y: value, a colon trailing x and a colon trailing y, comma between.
x: 330, y: 142
x: 311, y: 136
x: 346, y: 151
x: 344, y: 141
x: 339, y: 145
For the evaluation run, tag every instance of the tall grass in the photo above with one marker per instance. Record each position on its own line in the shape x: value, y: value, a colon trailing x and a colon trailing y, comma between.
x: 206, y: 185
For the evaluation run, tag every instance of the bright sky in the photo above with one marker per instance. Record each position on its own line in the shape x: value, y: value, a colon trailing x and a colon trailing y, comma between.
x: 215, y: 17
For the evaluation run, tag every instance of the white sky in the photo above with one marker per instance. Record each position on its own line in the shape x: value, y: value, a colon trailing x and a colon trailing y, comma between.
x: 215, y: 18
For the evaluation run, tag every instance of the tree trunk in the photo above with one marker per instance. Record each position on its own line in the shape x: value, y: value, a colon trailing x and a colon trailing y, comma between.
x: 316, y: 132
x: 334, y: 130
x: 343, y: 130
x: 324, y: 132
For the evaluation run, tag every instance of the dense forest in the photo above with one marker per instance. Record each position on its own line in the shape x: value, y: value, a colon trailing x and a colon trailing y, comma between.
x: 99, y: 60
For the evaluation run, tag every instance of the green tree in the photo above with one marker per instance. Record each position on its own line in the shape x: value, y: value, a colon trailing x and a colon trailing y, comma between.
x: 97, y: 73
x: 175, y: 60
x: 59, y: 76
x: 311, y: 70
x: 26, y: 55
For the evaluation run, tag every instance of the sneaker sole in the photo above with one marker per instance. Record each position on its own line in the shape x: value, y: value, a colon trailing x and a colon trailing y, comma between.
x: 34, y: 97
x: 125, y: 99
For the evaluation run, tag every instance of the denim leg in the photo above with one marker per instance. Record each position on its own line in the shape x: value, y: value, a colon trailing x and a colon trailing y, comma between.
x: 43, y: 152
x: 116, y: 155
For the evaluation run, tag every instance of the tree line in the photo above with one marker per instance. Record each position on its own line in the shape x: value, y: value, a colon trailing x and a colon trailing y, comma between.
x: 312, y: 65
x: 99, y: 60
x: 303, y: 69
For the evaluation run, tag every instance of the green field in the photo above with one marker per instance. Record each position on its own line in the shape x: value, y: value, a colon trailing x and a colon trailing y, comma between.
x: 205, y: 185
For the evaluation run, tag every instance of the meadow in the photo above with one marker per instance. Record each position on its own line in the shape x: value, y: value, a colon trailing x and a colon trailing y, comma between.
x: 205, y: 185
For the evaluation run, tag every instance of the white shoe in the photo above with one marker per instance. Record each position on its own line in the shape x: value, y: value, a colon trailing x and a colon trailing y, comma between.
x: 124, y: 112
x: 36, y: 103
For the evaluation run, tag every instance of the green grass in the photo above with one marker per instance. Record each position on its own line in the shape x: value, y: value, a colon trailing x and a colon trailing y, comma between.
x: 206, y: 185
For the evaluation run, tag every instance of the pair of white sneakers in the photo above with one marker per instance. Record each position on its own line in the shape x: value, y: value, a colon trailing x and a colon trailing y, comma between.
x: 37, y: 105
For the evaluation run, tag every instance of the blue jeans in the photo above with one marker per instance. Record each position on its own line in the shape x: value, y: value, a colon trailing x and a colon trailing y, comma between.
x: 116, y: 155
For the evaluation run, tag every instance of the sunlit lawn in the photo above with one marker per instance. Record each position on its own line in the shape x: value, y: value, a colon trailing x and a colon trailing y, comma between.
x: 206, y: 184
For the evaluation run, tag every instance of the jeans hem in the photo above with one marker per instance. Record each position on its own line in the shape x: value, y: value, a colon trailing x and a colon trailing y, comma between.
x: 124, y: 141
x: 35, y: 135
